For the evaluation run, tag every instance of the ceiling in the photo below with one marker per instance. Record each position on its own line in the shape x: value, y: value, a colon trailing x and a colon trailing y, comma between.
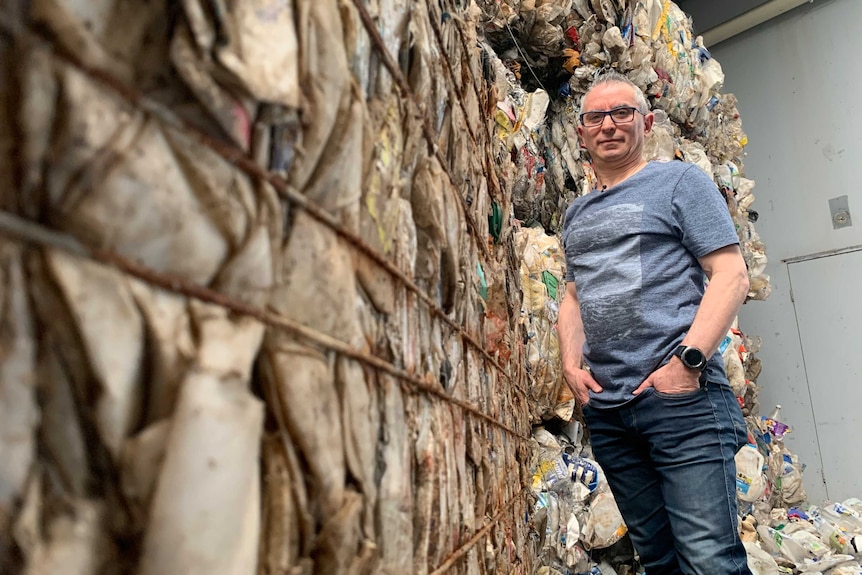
x: 717, y: 20
x: 707, y: 14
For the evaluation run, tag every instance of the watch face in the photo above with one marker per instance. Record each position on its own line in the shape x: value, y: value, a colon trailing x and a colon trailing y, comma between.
x: 693, y: 358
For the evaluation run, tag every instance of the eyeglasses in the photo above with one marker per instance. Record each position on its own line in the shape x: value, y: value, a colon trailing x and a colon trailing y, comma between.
x: 621, y: 115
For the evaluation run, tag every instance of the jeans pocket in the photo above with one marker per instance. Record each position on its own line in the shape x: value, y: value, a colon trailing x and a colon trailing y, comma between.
x: 680, y: 399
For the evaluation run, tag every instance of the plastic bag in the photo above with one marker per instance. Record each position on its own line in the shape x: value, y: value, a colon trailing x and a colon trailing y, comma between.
x: 776, y: 541
x: 750, y: 481
x: 759, y: 561
x: 605, y: 525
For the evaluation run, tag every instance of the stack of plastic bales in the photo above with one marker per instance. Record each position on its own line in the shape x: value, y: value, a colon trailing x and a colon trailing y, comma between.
x: 551, y: 52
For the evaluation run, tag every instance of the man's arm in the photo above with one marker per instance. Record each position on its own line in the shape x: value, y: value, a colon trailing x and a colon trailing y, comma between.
x: 570, y: 330
x: 727, y: 289
x: 725, y: 294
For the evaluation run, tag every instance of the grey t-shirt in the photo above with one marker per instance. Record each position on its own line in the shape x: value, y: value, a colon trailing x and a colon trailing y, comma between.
x: 632, y: 252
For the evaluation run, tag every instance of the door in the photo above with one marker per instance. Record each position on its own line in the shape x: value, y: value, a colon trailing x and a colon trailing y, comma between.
x: 827, y: 297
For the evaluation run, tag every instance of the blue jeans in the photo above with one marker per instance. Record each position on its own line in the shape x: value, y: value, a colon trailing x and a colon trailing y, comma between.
x: 669, y: 463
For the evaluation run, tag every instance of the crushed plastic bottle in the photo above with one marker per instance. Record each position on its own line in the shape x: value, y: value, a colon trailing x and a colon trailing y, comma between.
x: 776, y: 428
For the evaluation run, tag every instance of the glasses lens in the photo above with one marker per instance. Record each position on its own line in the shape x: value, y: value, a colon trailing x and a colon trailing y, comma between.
x: 593, y: 118
x: 623, y: 114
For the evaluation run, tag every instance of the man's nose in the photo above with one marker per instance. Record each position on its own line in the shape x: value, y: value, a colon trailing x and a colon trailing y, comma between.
x: 607, y: 122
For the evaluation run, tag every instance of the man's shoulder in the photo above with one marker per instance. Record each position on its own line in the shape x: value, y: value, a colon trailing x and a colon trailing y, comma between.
x: 670, y: 175
x: 671, y: 168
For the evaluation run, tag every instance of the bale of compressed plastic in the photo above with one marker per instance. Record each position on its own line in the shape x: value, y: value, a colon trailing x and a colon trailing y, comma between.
x: 542, y: 283
x: 260, y: 292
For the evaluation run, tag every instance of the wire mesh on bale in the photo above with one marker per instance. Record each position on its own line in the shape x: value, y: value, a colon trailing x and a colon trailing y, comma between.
x: 256, y: 318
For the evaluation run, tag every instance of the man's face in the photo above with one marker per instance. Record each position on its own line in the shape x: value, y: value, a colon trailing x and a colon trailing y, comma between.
x: 610, y: 143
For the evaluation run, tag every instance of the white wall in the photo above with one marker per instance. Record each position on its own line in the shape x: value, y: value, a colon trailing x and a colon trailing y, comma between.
x: 799, y: 83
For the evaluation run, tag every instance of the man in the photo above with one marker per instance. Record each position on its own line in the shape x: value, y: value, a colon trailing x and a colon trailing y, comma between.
x: 663, y: 421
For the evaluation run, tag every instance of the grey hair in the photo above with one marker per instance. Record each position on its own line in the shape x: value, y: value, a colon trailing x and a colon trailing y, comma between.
x: 614, y: 77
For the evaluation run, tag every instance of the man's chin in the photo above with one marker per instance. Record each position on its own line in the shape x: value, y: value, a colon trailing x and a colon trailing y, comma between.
x: 609, y: 156
x: 611, y: 149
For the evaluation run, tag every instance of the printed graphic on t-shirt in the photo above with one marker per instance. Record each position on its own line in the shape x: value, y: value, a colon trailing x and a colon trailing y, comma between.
x: 605, y: 247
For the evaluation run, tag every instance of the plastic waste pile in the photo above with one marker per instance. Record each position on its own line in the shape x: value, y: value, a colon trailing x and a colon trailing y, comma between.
x: 576, y: 520
x: 782, y: 531
x: 742, y: 367
x: 553, y: 50
x: 823, y: 539
x: 769, y: 476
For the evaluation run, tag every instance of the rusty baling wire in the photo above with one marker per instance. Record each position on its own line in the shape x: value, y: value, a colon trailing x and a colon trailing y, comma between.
x: 459, y: 553
x: 33, y: 233
x: 447, y: 65
x: 493, y: 184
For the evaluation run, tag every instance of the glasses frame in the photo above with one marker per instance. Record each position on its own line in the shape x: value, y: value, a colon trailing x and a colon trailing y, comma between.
x: 605, y: 113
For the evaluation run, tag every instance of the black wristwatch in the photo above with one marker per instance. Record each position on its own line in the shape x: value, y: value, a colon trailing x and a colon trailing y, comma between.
x: 691, y: 357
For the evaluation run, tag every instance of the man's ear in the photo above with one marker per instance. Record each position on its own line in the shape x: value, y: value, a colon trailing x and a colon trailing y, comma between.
x: 648, y: 121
